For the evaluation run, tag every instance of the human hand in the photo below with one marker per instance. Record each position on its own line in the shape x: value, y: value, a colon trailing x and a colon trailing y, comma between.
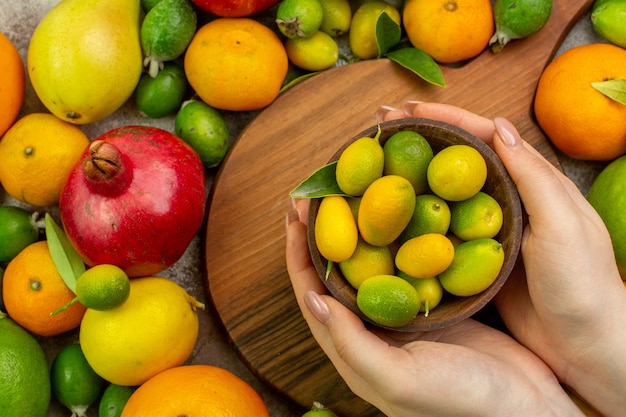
x: 468, y: 369
x: 569, y: 304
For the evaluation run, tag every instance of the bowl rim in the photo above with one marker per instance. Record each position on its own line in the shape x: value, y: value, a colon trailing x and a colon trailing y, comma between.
x: 464, y: 307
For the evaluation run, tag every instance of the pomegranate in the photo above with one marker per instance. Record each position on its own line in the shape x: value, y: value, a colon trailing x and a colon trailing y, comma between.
x: 135, y: 199
x: 234, y: 8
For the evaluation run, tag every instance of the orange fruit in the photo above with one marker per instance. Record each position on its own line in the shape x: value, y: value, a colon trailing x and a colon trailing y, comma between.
x: 450, y: 30
x: 579, y: 120
x: 32, y: 289
x: 195, y: 390
x: 11, y: 83
x: 236, y: 64
x: 37, y: 153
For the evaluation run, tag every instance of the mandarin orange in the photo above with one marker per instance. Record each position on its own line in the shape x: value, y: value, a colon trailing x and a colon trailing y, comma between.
x: 11, y: 83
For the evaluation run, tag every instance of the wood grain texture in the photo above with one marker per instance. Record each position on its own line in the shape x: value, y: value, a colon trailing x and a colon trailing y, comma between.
x: 300, y: 131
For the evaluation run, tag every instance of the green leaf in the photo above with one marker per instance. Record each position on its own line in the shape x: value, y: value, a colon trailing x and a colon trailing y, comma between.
x: 297, y: 80
x: 388, y: 34
x: 320, y: 183
x: 420, y: 63
x: 65, y: 258
x: 613, y: 89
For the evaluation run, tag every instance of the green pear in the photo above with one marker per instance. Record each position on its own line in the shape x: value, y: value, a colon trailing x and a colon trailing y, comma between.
x: 85, y: 58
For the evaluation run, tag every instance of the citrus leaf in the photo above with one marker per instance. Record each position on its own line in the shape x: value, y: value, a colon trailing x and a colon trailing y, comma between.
x: 320, y: 183
x: 65, y: 258
x: 297, y: 80
x: 420, y: 63
x: 388, y: 34
x: 613, y: 89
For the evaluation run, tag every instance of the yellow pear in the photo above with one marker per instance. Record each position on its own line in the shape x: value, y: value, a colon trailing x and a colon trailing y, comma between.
x: 85, y: 59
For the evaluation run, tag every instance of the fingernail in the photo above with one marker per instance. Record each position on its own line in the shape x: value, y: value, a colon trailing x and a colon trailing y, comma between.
x: 410, y: 106
x: 382, y: 111
x: 507, y: 132
x: 317, y: 306
x: 291, y: 217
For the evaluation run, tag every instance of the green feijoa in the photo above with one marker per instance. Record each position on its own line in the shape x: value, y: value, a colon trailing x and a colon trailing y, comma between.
x: 166, y: 31
x: 74, y: 382
x: 164, y: 94
x: 299, y: 18
x: 608, y: 19
x: 204, y: 129
x: 114, y: 399
x: 18, y: 229
x: 517, y: 19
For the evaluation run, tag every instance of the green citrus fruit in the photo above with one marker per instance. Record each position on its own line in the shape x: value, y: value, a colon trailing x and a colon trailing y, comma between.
x: 431, y: 215
x: 161, y: 95
x: 205, y: 130
x: 103, y: 287
x: 299, y: 18
x: 480, y: 216
x: 429, y: 290
x: 114, y: 399
x: 425, y: 256
x: 367, y: 261
x: 388, y: 300
x: 475, y: 267
x: 607, y: 19
x: 457, y: 172
x: 516, y: 19
x: 359, y: 165
x: 607, y: 195
x: 318, y: 410
x: 313, y: 53
x: 17, y: 230
x: 408, y: 154
x: 362, y: 35
x: 336, y: 233
x: 74, y: 383
x: 336, y: 18
x: 24, y: 375
x: 146, y: 5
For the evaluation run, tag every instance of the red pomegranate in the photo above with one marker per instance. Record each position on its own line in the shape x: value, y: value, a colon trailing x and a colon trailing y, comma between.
x: 234, y: 8
x: 135, y: 199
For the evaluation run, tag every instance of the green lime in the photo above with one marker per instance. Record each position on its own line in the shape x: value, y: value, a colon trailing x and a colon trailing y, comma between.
x: 205, y: 130
x: 114, y: 399
x: 480, y: 216
x: 607, y: 195
x: 475, y: 267
x: 166, y: 31
x: 367, y: 261
x: 146, y: 5
x: 24, y: 376
x: 359, y: 165
x: 74, y: 383
x: 313, y: 53
x: 17, y: 230
x: 431, y: 215
x: 516, y: 19
x: 299, y: 18
x: 408, y: 154
x: 388, y: 300
x: 103, y: 287
x: 336, y: 17
x: 429, y: 290
x: 318, y: 410
x: 607, y: 19
x: 457, y: 172
x: 161, y: 95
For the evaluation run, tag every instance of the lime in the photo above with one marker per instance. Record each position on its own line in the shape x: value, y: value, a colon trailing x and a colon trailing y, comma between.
x: 425, y: 256
x: 336, y: 233
x: 362, y: 35
x: 163, y: 94
x: 388, y: 300
x: 205, y: 130
x: 146, y: 5
x: 166, y: 31
x: 475, y: 267
x: 480, y: 216
x: 607, y: 19
x: 431, y: 215
x: 24, y: 376
x: 74, y: 383
x: 313, y: 53
x: 457, y: 172
x: 336, y: 18
x: 408, y: 154
x: 18, y: 229
x: 367, y: 261
x: 103, y: 287
x: 114, y: 399
x: 516, y: 19
x: 360, y: 164
x: 607, y: 195
x: 429, y: 290
x: 299, y: 18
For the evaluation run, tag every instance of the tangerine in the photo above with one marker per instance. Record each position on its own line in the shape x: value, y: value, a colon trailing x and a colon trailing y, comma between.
x: 236, y: 64
x: 449, y: 31
x: 12, y: 85
x: 195, y: 390
x: 581, y: 121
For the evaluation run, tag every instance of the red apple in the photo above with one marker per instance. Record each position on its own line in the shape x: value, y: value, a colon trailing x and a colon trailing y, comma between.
x: 234, y: 8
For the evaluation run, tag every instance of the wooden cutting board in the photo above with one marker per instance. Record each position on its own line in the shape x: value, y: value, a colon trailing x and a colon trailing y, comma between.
x: 246, y: 272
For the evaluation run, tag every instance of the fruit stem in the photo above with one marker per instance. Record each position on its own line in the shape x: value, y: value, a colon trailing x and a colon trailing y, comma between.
x: 329, y: 267
x: 65, y: 307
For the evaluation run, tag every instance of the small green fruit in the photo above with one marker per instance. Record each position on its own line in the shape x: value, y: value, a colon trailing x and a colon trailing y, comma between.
x: 608, y: 19
x: 299, y: 18
x: 164, y: 94
x: 517, y: 19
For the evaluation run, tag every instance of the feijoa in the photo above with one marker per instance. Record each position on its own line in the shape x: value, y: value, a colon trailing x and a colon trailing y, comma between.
x: 299, y: 18
x: 114, y: 399
x: 163, y: 94
x: 517, y: 19
x: 18, y: 229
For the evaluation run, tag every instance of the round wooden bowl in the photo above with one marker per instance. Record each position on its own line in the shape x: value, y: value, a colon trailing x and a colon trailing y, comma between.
x: 499, y: 185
